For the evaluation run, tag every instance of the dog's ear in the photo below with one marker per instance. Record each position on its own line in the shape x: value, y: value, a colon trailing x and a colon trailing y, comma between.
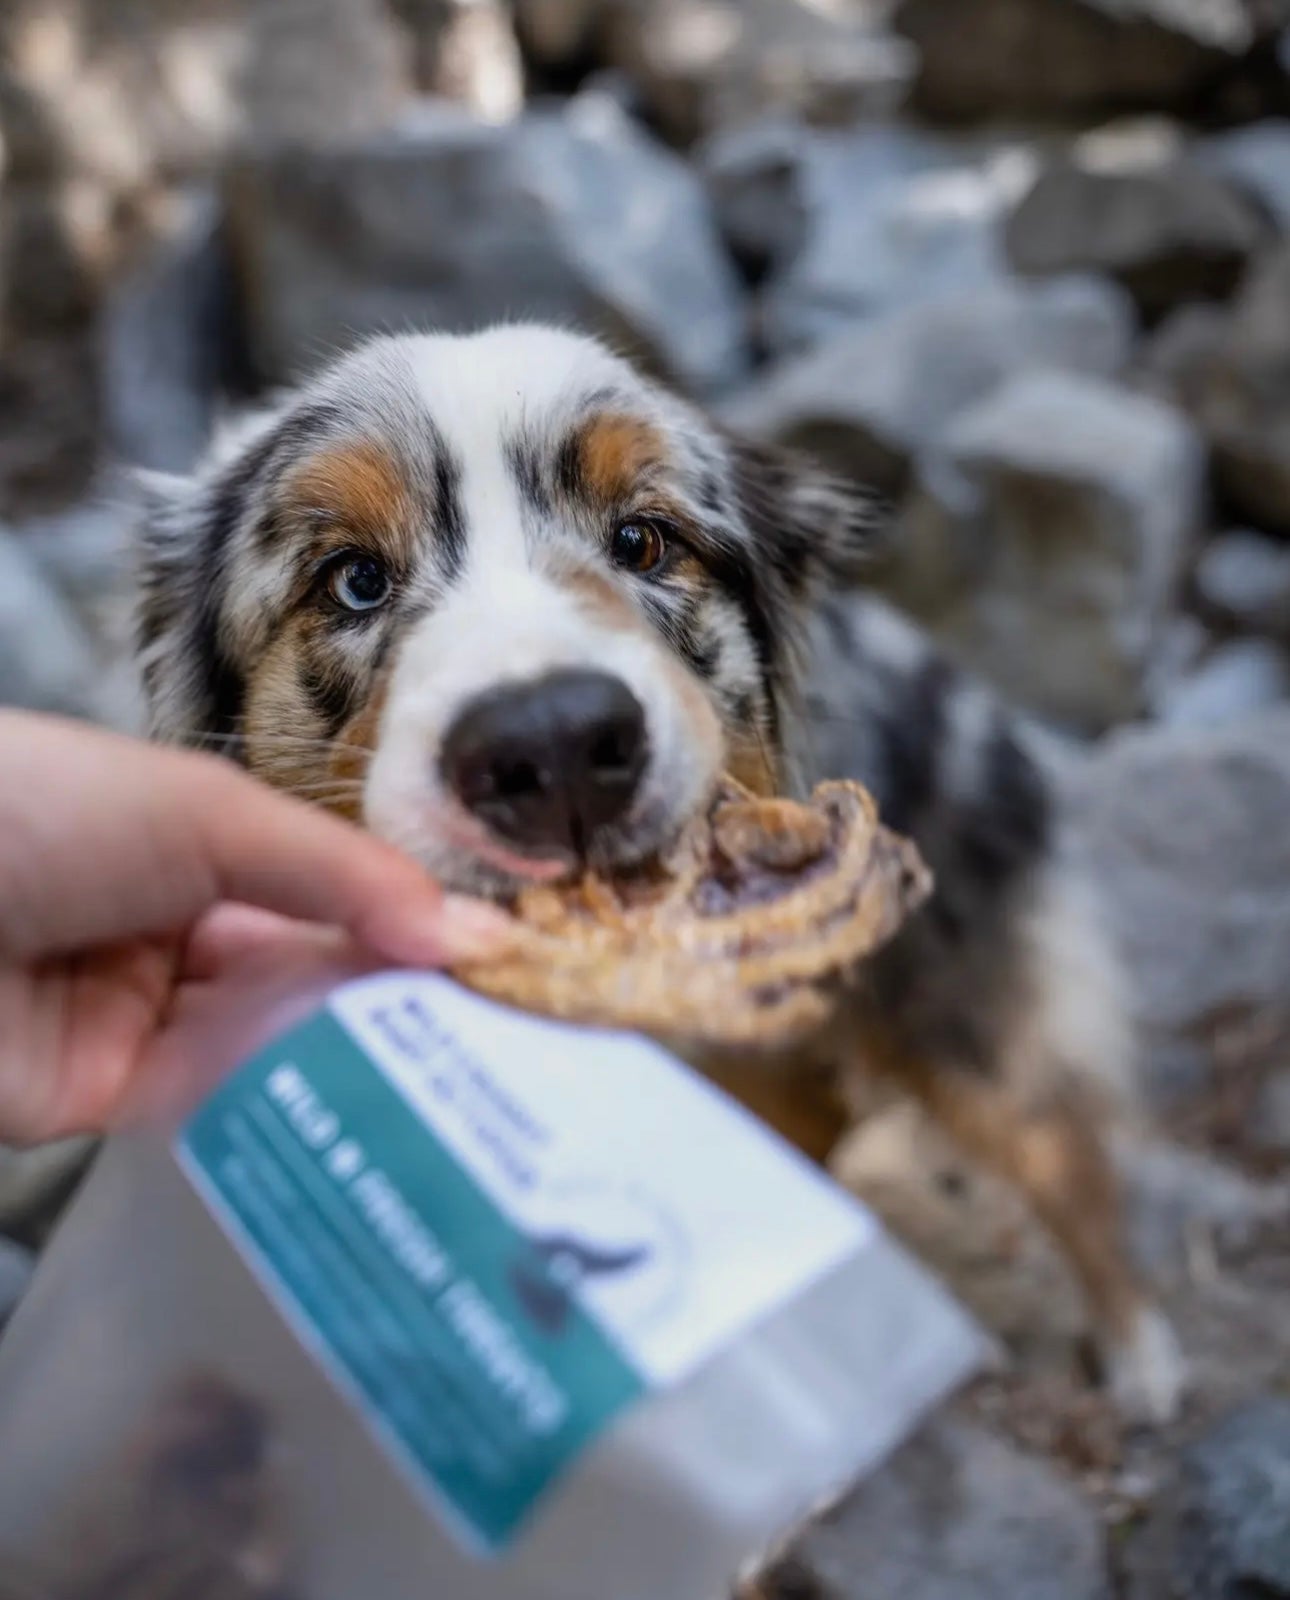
x: 809, y: 526
x: 176, y: 609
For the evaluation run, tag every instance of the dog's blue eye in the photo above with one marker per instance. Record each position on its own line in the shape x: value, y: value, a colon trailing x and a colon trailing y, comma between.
x: 637, y: 546
x: 360, y: 584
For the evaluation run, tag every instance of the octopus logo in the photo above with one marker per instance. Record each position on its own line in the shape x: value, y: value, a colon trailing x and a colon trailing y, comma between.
x: 609, y: 1249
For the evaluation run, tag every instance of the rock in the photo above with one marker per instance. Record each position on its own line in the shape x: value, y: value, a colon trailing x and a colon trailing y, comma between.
x: 702, y: 66
x: 1242, y: 400
x: 871, y: 400
x: 1175, y: 360
x: 1184, y: 829
x: 167, y: 335
x: 1172, y: 234
x: 119, y: 94
x: 466, y: 51
x: 1257, y: 159
x: 321, y: 72
x: 50, y: 432
x: 1243, y: 581
x: 1046, y: 539
x: 87, y: 554
x: 894, y: 217
x: 57, y: 248
x: 35, y: 1185
x: 1246, y: 675
x: 1225, y: 1521
x: 47, y: 660
x: 17, y: 1267
x: 756, y: 183
x: 559, y: 35
x: 1181, y: 650
x: 1175, y: 1195
x: 956, y: 1515
x: 1268, y: 1127
x: 1081, y: 56
x: 576, y: 218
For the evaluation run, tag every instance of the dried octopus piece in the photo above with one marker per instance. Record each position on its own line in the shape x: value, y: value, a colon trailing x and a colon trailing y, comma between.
x: 190, y: 1514
x: 739, y: 939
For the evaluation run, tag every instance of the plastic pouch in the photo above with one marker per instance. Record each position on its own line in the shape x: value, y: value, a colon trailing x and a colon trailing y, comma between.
x: 432, y: 1298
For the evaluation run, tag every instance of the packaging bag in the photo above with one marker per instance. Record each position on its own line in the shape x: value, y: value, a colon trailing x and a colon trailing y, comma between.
x: 430, y: 1298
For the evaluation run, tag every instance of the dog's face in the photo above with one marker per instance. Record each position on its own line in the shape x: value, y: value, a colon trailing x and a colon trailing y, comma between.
x: 497, y: 597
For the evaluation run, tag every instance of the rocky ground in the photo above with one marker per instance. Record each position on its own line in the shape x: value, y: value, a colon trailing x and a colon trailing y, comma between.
x: 1026, y: 264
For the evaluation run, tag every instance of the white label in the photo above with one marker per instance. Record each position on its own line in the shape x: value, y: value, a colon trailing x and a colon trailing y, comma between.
x: 679, y: 1218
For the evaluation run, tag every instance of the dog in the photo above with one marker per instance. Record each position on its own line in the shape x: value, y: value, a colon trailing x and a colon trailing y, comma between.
x: 515, y: 607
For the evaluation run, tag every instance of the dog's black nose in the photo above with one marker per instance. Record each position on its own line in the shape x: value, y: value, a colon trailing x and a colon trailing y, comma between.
x: 548, y: 764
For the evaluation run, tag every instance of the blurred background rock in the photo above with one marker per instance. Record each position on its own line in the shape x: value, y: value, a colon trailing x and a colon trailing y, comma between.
x: 1024, y: 263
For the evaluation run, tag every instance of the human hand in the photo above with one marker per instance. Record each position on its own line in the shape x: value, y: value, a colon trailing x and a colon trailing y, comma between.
x: 151, y: 899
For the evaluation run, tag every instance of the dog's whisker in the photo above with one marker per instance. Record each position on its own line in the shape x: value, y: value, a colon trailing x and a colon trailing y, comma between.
x: 276, y: 741
x: 325, y: 791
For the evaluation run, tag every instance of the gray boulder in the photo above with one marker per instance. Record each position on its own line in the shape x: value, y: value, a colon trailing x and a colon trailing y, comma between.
x: 1175, y: 359
x: 321, y: 72
x: 17, y: 1266
x: 35, y: 1184
x: 701, y: 67
x: 1243, y: 581
x: 449, y: 224
x: 66, y: 623
x: 894, y: 216
x: 1046, y: 539
x: 1268, y: 1126
x: 1222, y: 1531
x: 1257, y: 159
x: 467, y: 51
x: 1238, y: 678
x: 873, y: 399
x: 165, y: 335
x: 559, y: 34
x: 1170, y: 234
x: 756, y: 181
x: 956, y: 1515
x: 1241, y: 398
x: 48, y: 661
x: 1000, y: 57
x: 1185, y: 830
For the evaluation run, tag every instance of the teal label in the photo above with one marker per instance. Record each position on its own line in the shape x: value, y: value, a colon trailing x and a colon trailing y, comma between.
x: 471, y: 1359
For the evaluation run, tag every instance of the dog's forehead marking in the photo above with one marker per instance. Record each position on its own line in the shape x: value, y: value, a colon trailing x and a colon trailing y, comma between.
x: 611, y: 452
x: 358, y: 483
x: 485, y: 392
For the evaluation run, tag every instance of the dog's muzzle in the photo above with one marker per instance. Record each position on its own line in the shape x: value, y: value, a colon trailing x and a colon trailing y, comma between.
x: 549, y: 765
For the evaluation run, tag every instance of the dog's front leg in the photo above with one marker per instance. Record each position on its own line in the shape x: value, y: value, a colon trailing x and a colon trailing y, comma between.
x: 1052, y: 1148
x: 799, y: 1099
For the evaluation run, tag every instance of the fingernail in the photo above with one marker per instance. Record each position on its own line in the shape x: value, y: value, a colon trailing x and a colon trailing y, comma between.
x: 473, y: 930
x: 441, y: 931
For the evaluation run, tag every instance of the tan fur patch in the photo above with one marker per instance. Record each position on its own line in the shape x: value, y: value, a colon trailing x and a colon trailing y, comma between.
x: 281, y: 734
x: 361, y: 487
x: 706, y: 734
x: 614, y: 452
x: 752, y: 762
x: 352, y: 756
x: 601, y: 598
x: 303, y: 761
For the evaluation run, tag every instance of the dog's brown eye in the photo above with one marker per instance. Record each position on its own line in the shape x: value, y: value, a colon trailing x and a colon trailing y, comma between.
x: 637, y: 546
x: 360, y: 584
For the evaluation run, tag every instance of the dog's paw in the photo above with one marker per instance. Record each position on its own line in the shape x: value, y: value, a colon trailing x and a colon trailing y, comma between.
x: 1146, y: 1373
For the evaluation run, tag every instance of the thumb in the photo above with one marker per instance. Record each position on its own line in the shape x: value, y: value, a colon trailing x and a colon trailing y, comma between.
x: 263, y: 849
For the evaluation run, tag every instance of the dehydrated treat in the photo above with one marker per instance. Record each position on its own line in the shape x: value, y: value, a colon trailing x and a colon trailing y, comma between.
x: 738, y: 939
x: 190, y: 1514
